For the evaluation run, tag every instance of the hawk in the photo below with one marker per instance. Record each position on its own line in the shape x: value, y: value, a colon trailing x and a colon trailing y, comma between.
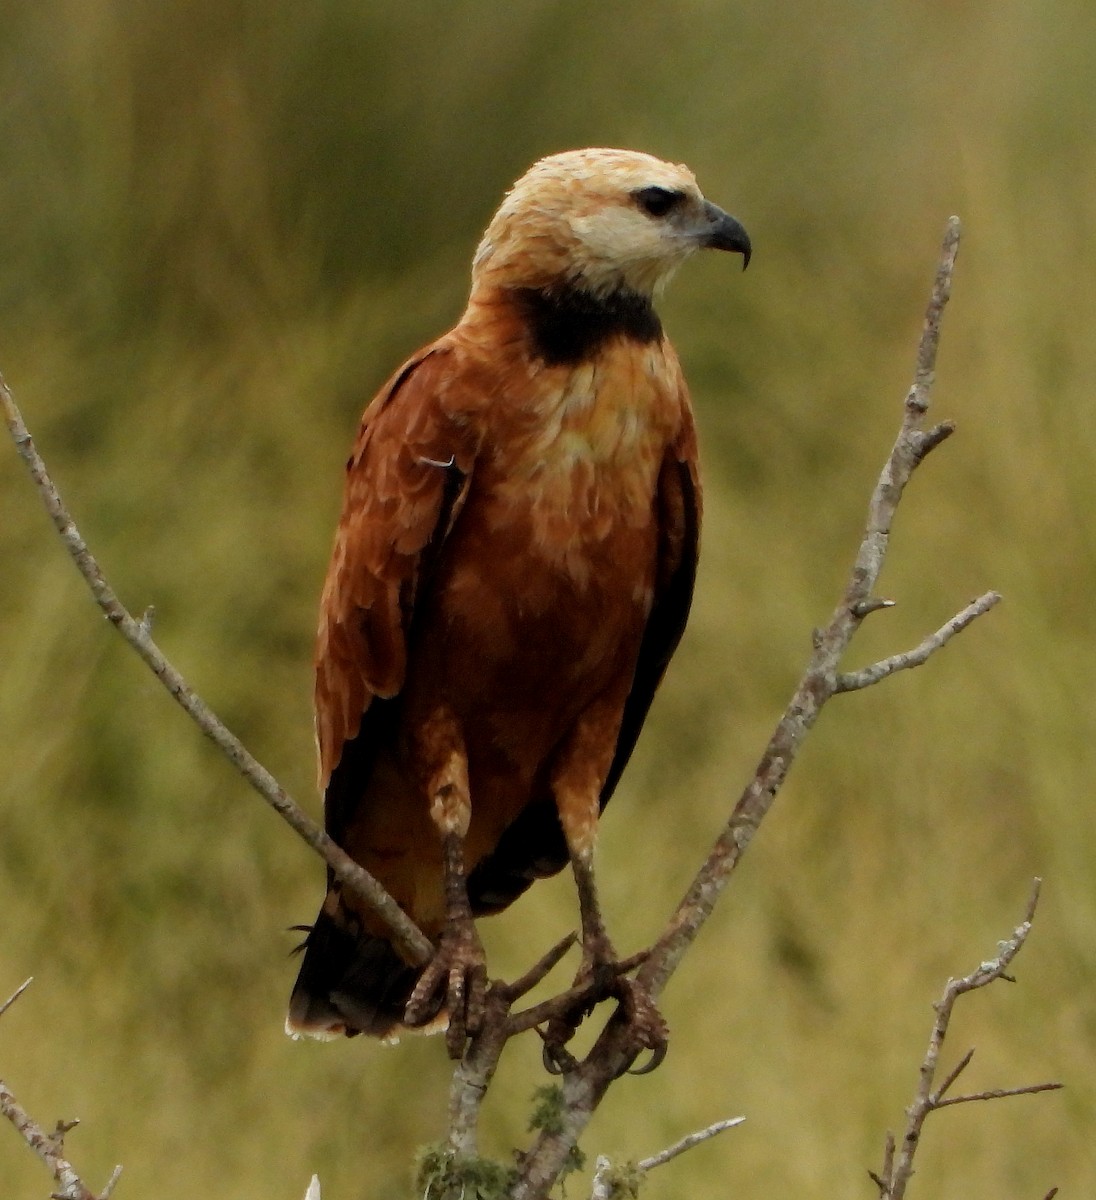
x: 512, y: 571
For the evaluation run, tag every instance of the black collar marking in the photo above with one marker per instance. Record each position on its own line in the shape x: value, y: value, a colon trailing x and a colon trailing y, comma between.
x: 570, y: 325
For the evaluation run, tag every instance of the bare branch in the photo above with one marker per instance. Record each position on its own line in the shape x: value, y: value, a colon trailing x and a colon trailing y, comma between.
x: 620, y: 1183
x: 854, y: 680
x: 585, y: 1083
x: 45, y: 1146
x: 999, y: 1094
x: 687, y: 1143
x: 882, y: 1181
x: 115, y: 1175
x: 897, y: 1172
x: 16, y: 994
x: 540, y: 969
x: 48, y: 1146
x: 405, y: 934
x: 954, y: 1074
x: 820, y: 680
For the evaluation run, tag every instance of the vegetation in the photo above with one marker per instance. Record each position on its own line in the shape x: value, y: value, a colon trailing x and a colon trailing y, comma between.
x: 221, y: 226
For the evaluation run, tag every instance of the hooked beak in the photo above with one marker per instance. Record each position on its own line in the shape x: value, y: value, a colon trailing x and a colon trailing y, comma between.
x: 723, y: 232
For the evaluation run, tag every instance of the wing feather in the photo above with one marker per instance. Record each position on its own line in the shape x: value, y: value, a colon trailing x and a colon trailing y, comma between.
x: 679, y: 508
x: 406, y: 480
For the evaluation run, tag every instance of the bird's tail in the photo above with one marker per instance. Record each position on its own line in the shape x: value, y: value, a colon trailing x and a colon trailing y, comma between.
x: 350, y: 982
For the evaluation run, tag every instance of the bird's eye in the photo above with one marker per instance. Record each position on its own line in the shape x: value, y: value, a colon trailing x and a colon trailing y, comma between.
x: 657, y: 201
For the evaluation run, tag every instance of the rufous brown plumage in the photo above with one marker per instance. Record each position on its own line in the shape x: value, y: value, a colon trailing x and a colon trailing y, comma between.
x: 512, y: 571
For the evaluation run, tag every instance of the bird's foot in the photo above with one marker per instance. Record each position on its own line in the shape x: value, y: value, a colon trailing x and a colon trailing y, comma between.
x: 646, y: 1025
x: 455, y: 980
x: 603, y: 976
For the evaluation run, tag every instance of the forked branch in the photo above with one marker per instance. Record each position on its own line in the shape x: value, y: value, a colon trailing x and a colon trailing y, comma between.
x: 50, y: 1147
x: 585, y: 1085
x: 897, y: 1169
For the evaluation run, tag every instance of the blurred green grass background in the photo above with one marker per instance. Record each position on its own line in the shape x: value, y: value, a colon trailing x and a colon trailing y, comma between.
x: 221, y: 225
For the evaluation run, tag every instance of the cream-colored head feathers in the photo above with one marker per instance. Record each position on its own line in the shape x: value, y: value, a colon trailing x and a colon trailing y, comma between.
x: 577, y: 219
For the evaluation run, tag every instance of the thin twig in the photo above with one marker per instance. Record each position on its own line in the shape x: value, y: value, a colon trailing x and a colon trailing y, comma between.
x: 405, y: 934
x: 999, y: 1094
x: 115, y: 1175
x: 16, y: 994
x: 687, y: 1143
x: 610, y: 1184
x: 896, y: 1173
x: 540, y: 969
x: 854, y: 680
x: 882, y: 1182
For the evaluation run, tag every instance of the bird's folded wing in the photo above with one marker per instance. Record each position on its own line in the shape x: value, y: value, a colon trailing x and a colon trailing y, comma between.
x: 406, y: 481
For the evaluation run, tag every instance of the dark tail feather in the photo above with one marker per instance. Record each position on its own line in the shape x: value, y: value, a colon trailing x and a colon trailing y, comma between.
x: 349, y: 983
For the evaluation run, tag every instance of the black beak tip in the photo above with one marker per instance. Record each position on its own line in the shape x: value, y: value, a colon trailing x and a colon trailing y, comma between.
x: 725, y: 233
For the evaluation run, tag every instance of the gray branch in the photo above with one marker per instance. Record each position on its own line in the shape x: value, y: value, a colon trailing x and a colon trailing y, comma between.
x: 48, y: 1146
x: 406, y: 935
x: 894, y: 1178
x: 853, y: 681
x: 586, y: 1084
x: 687, y: 1143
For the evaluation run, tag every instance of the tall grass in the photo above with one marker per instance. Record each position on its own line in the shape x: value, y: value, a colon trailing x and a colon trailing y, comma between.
x: 221, y: 225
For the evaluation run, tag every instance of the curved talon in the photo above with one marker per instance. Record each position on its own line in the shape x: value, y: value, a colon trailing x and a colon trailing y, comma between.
x: 550, y: 1061
x: 555, y: 1058
x: 658, y: 1056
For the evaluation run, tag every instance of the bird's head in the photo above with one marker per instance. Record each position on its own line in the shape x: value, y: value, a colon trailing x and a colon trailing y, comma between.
x: 603, y: 221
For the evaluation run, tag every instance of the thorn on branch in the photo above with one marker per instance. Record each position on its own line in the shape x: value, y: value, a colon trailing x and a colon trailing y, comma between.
x: 864, y: 608
x: 925, y: 441
x: 46, y: 1145
x: 57, y: 1137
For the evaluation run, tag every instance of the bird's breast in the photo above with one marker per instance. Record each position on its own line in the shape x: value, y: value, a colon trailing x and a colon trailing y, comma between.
x: 574, y: 462
x: 551, y: 564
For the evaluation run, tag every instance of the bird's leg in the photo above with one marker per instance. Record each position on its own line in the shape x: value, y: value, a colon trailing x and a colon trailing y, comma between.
x: 459, y: 966
x: 578, y: 795
x: 598, y: 955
